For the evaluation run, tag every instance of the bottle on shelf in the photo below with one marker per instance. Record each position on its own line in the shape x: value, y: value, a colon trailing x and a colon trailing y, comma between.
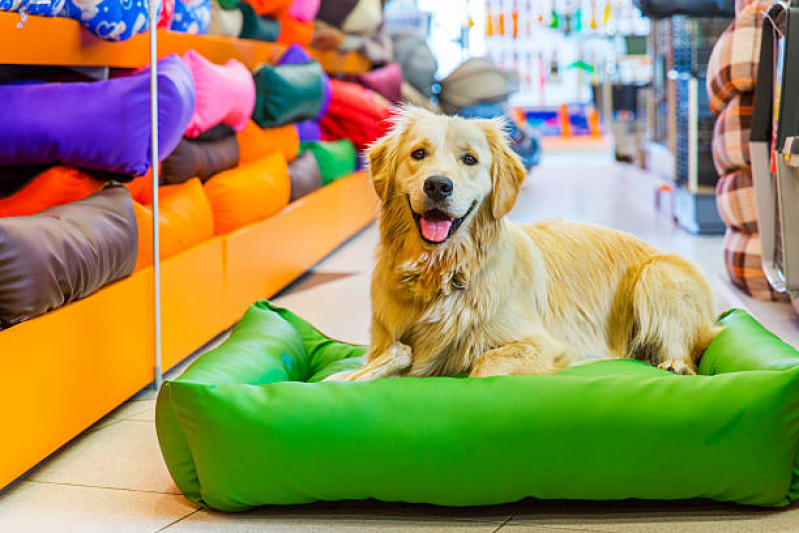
x: 555, y: 18
x: 528, y: 20
x: 489, y: 20
x: 515, y: 19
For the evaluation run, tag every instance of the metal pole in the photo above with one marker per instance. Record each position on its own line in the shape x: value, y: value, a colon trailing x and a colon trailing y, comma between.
x: 693, y: 135
x: 153, y: 12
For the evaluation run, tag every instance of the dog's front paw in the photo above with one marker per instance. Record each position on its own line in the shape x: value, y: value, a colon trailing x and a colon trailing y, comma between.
x: 341, y: 376
x: 678, y: 366
x: 402, y: 354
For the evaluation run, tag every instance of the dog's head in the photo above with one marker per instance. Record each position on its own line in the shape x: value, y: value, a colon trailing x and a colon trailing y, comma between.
x: 445, y: 170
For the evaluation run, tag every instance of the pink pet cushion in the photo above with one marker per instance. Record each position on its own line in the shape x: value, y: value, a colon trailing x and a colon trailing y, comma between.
x: 304, y: 10
x: 225, y: 94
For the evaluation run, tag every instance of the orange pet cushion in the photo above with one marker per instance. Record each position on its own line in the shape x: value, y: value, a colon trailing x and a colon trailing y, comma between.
x: 186, y: 220
x: 269, y: 7
x: 141, y: 189
x: 55, y: 186
x: 249, y: 193
x: 292, y: 30
x: 256, y: 143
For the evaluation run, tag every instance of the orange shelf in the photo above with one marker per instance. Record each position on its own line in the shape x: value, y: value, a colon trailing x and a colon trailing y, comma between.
x: 192, y: 289
x: 59, y: 41
x: 67, y: 369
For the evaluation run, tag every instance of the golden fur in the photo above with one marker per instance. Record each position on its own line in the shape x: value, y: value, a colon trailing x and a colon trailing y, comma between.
x: 498, y: 298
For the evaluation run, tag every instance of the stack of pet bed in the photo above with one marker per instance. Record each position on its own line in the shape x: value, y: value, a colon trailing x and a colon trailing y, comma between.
x: 418, y: 66
x: 119, y: 20
x: 239, y: 158
x: 284, y: 21
x: 353, y: 25
x: 280, y: 21
x: 357, y: 25
x: 235, y: 147
x: 66, y: 228
x: 732, y: 72
x: 206, y: 176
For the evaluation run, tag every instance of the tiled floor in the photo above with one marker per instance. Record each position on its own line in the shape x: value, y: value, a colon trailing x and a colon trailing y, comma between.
x: 112, y: 480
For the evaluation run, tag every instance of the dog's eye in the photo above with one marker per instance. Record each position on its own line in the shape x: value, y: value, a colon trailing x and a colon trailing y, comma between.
x: 469, y: 160
x: 419, y: 154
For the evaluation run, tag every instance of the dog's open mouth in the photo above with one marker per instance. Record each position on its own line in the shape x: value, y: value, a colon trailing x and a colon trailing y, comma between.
x: 436, y: 226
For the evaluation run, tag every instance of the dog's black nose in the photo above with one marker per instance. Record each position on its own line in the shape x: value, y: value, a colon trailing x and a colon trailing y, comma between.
x: 438, y: 187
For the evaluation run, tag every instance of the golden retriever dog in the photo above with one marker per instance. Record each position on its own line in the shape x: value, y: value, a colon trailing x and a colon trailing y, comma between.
x: 457, y: 287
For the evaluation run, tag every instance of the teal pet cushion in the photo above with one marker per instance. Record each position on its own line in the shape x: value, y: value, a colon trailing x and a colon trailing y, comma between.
x: 249, y: 424
x: 288, y: 93
x: 258, y: 28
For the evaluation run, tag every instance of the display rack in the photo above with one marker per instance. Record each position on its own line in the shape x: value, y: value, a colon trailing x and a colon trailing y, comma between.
x: 90, y: 356
x: 59, y: 41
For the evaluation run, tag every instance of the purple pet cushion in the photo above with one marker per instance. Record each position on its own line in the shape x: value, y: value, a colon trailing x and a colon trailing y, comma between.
x: 103, y: 125
x: 293, y: 55
x: 309, y: 130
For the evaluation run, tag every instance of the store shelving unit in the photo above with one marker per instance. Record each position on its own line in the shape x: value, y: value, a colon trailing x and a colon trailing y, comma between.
x: 58, y: 41
x: 67, y: 369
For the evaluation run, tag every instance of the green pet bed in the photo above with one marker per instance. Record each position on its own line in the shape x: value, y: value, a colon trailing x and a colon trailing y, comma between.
x: 248, y: 424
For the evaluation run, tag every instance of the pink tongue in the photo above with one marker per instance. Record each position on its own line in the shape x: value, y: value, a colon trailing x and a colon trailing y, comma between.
x: 435, y: 230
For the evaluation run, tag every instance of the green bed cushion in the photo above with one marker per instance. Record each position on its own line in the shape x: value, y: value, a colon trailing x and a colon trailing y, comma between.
x: 248, y: 424
x: 335, y: 158
x: 287, y: 93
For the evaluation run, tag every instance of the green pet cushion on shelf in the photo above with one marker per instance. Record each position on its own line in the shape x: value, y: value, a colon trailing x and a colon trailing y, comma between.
x: 288, y: 93
x: 250, y: 424
x: 335, y: 158
x: 258, y: 28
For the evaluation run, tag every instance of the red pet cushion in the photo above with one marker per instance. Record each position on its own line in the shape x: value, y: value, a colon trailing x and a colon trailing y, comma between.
x: 355, y: 113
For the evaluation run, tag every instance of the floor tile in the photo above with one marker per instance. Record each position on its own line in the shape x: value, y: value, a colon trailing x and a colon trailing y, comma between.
x: 356, y: 255
x: 497, y: 514
x: 340, y: 309
x: 312, y: 280
x: 148, y: 415
x: 778, y: 317
x: 40, y: 507
x: 124, y: 455
x: 132, y: 409
x: 616, y: 195
x: 319, y: 522
x: 666, y: 517
x: 102, y: 423
x: 147, y: 393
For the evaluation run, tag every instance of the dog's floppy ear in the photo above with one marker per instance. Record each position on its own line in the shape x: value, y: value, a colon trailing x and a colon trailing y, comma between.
x: 383, y: 164
x: 507, y: 171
